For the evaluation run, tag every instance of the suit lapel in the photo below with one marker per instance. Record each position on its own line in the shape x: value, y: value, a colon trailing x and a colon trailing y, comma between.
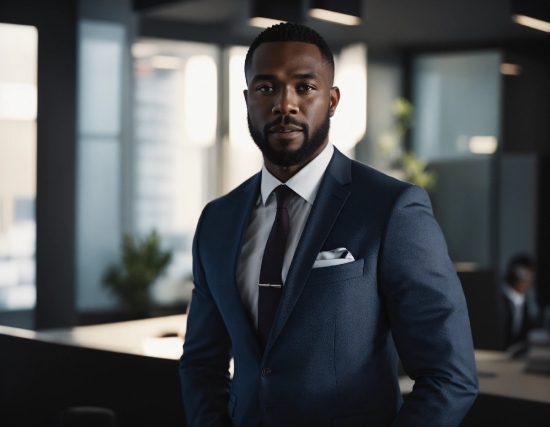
x: 331, y: 197
x: 241, y: 215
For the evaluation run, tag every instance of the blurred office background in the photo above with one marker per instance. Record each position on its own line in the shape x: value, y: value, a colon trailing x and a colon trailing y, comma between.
x: 128, y: 117
x: 120, y: 116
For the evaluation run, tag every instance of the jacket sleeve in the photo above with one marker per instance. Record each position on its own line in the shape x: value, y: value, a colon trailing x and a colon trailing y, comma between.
x: 428, y: 315
x: 204, y: 365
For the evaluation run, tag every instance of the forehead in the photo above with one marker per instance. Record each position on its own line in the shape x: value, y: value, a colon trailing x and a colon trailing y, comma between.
x: 287, y: 57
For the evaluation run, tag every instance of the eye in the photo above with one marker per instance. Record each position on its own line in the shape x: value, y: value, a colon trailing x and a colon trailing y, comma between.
x: 264, y: 88
x: 306, y: 88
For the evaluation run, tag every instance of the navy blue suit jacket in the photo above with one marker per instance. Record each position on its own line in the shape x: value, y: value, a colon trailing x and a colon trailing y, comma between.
x: 330, y: 359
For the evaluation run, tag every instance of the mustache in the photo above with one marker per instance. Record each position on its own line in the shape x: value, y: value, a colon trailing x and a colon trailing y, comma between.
x: 285, y: 120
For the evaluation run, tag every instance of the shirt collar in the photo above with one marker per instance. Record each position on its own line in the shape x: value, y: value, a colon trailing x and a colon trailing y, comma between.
x: 305, y: 183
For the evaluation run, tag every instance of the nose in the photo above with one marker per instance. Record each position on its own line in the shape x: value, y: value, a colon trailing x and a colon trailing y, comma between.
x: 286, y: 103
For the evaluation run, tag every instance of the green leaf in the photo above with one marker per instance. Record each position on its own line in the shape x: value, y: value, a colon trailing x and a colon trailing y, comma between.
x: 143, y: 261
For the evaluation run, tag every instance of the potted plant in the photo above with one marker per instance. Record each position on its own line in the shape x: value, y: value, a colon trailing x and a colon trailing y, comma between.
x: 405, y: 165
x: 143, y: 261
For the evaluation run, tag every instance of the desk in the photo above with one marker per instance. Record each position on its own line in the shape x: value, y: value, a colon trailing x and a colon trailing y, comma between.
x: 498, y: 376
x: 139, y: 337
x: 43, y: 373
x: 504, y: 386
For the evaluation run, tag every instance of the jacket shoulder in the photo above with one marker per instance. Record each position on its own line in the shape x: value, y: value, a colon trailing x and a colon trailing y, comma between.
x: 381, y: 192
x: 375, y: 181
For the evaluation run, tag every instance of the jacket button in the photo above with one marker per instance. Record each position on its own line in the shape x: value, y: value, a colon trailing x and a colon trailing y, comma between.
x: 266, y: 372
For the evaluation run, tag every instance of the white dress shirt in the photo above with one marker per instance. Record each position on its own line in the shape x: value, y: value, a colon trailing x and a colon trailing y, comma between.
x: 305, y: 184
x: 518, y: 302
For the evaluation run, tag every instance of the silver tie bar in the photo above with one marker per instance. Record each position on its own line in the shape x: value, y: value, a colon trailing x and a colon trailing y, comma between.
x: 269, y: 285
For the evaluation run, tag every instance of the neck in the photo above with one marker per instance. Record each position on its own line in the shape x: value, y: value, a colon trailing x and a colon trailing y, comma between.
x: 284, y: 173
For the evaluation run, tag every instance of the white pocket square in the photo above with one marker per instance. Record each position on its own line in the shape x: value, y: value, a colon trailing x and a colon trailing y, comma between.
x: 333, y: 257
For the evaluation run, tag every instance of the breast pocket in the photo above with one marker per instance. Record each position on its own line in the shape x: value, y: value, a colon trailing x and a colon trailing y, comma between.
x: 336, y: 273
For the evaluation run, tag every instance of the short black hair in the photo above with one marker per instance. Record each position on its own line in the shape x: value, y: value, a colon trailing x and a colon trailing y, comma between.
x: 290, y: 32
x: 521, y: 260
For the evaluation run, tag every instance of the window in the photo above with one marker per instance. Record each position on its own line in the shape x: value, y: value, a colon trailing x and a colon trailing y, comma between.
x: 18, y: 102
x: 244, y: 159
x: 176, y: 114
x: 349, y: 124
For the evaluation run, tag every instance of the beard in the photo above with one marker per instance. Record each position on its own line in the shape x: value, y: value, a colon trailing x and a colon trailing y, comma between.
x: 290, y: 158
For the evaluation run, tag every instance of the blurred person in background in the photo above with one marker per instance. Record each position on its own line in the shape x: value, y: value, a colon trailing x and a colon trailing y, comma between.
x: 519, y: 304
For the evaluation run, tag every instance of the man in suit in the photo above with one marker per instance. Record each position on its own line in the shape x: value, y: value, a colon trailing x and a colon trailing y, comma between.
x: 314, y: 271
x: 520, y: 313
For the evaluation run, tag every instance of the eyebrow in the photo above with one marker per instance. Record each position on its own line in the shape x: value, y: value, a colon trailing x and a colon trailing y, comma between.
x: 297, y: 76
x: 306, y: 76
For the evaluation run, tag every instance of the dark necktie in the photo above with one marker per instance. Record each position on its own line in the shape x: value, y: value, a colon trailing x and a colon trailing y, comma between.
x: 271, y: 281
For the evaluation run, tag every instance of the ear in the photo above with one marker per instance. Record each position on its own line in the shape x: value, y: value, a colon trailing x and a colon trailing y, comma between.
x: 245, y: 93
x: 334, y: 99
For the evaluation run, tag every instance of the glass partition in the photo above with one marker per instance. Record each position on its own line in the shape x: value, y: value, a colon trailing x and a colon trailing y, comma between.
x: 457, y: 129
x: 457, y: 103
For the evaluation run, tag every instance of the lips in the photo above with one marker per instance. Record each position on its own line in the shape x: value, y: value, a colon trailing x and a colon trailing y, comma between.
x: 289, y: 129
x: 285, y: 133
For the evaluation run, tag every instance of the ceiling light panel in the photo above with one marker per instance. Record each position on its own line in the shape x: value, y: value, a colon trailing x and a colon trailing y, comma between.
x: 532, y: 13
x: 537, y: 24
x: 260, y: 22
x: 346, y: 12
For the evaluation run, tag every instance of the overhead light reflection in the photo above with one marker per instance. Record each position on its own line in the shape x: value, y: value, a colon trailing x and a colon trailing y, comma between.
x: 483, y: 144
x: 262, y: 22
x: 537, y: 24
x: 510, y: 69
x: 340, y: 18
